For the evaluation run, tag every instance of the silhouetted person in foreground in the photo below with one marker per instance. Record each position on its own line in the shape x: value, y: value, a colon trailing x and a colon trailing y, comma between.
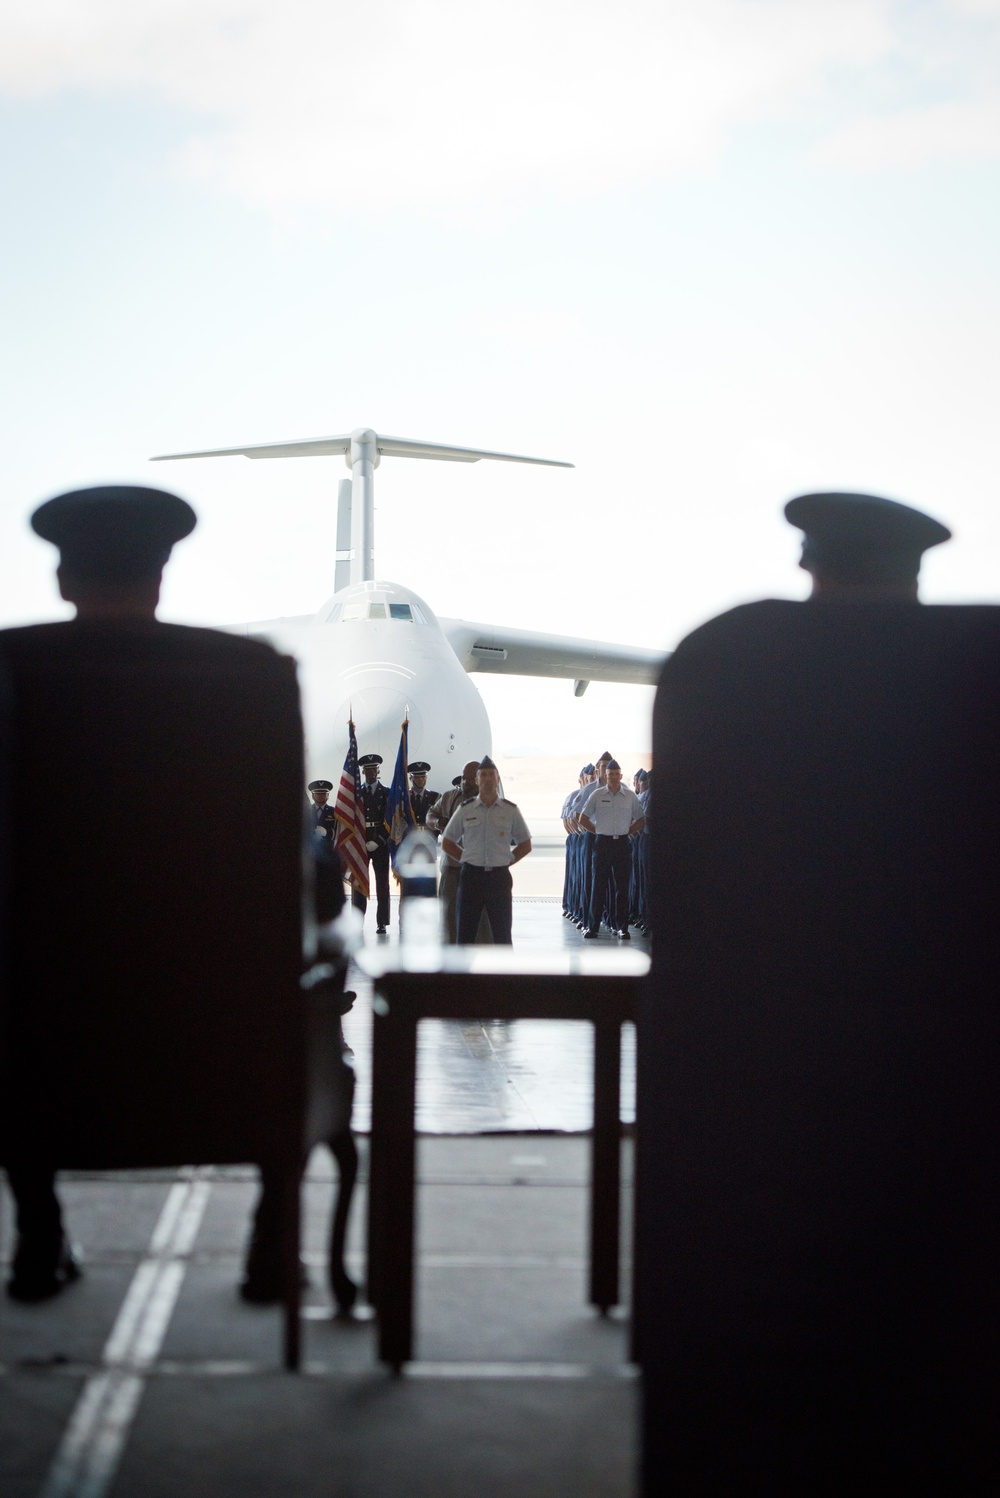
x: 819, y: 1114
x: 113, y: 546
x: 153, y: 953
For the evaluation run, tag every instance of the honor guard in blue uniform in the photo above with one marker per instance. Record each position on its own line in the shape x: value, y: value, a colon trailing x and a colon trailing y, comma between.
x: 421, y: 799
x: 323, y: 819
x: 374, y: 799
x: 613, y: 815
x: 486, y: 835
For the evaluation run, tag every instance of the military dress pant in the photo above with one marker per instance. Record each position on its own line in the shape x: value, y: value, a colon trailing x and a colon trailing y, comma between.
x: 379, y: 861
x: 612, y: 874
x: 488, y: 890
x: 38, y: 1214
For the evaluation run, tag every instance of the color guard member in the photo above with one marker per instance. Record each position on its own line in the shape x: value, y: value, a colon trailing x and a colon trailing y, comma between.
x: 421, y: 799
x: 375, y: 798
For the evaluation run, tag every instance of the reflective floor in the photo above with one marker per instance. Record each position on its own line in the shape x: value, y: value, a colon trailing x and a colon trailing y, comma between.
x: 483, y: 1076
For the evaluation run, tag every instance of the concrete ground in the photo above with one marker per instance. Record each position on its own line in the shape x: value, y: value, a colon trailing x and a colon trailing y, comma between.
x: 150, y: 1377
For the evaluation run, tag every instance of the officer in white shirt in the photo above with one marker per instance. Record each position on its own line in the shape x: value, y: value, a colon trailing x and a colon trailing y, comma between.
x: 487, y: 835
x: 613, y: 815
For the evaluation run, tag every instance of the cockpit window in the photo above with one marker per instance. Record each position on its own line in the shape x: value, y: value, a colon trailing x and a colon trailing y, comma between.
x: 366, y: 608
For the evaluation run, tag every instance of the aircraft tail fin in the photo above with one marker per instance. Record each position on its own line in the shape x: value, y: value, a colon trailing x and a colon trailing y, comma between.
x: 342, y: 572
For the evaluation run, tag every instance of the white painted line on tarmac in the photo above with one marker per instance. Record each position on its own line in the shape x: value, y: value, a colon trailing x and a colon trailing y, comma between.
x: 88, y: 1455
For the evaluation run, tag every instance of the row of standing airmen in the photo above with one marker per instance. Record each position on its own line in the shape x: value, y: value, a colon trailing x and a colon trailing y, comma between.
x: 607, y: 851
x: 482, y: 835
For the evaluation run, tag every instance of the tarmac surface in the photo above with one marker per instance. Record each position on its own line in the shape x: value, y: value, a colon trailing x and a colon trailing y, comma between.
x: 150, y: 1377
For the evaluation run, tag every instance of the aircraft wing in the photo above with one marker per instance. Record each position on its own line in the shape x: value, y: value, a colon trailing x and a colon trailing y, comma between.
x: 388, y: 447
x: 522, y: 652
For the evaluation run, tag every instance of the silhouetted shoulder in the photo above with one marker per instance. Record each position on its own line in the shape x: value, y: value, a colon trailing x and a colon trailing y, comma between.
x: 138, y: 641
x: 782, y: 631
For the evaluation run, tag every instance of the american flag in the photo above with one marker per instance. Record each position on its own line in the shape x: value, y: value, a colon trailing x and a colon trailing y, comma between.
x: 350, y: 813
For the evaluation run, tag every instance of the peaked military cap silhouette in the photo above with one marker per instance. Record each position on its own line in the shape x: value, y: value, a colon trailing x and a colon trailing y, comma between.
x: 863, y: 537
x: 116, y: 532
x: 320, y: 785
x: 418, y: 767
x: 486, y: 763
x: 612, y: 764
x: 370, y: 759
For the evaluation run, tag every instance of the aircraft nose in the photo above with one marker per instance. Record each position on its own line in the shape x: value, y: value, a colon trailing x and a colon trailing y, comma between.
x: 378, y: 718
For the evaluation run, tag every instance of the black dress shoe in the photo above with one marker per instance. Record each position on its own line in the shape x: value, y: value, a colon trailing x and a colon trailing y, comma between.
x: 379, y: 930
x: 39, y: 1273
x: 345, y: 1291
x: 625, y: 935
x: 590, y: 935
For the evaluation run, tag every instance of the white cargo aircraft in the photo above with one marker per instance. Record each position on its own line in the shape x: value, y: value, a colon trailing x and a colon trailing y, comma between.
x: 376, y: 649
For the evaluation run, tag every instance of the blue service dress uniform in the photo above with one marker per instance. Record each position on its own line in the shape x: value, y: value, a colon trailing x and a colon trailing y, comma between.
x: 421, y: 802
x: 374, y: 799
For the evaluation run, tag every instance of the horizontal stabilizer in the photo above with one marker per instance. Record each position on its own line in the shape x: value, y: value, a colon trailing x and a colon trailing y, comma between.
x: 388, y: 447
x: 497, y: 650
x: 318, y: 448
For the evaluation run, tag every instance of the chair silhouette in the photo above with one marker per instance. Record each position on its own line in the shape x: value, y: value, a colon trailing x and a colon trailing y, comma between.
x: 153, y: 1011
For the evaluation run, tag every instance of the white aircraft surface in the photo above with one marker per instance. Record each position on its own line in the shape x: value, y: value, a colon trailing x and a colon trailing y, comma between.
x: 377, y: 651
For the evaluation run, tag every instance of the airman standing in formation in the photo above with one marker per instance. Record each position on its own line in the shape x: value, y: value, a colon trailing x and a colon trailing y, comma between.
x: 639, y: 900
x: 487, y: 835
x: 575, y: 881
x: 613, y: 815
x: 375, y: 798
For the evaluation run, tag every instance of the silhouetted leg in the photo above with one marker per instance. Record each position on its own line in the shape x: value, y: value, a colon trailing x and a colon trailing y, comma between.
x: 345, y: 1152
x: 39, y: 1216
x: 43, y: 1261
x: 359, y: 901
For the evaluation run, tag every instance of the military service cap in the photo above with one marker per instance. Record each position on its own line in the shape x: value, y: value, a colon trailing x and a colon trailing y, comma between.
x: 418, y: 767
x: 370, y: 759
x: 320, y: 785
x: 486, y: 763
x: 457, y: 780
x: 862, y: 537
x: 612, y: 764
x: 587, y: 770
x: 117, y: 533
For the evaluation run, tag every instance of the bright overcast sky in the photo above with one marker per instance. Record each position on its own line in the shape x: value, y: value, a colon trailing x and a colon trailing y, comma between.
x: 713, y: 253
